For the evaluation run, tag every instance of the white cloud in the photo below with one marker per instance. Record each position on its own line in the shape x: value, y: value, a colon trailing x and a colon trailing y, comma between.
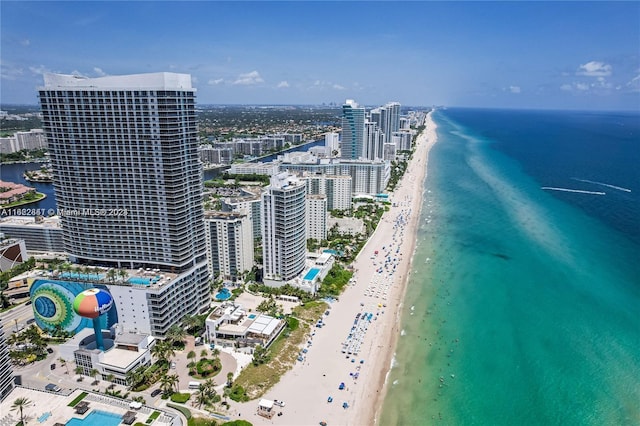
x: 514, y: 89
x: 594, y: 69
x: 283, y: 84
x: 99, y: 72
x: 214, y: 82
x: 338, y: 87
x: 566, y: 87
x: 25, y: 42
x: 249, y: 79
x: 39, y: 69
x: 10, y: 72
x: 634, y: 84
x: 581, y: 86
x: 77, y: 73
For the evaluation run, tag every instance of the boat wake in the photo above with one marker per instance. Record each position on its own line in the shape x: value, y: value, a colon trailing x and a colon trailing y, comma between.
x: 580, y: 191
x: 619, y: 188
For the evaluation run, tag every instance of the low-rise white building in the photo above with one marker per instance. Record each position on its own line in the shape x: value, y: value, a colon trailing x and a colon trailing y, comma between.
x: 230, y: 324
x: 124, y: 352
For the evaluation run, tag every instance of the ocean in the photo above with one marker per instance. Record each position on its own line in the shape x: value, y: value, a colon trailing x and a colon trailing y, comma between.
x: 523, y: 306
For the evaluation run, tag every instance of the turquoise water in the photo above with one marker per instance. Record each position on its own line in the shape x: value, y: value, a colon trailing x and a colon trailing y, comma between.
x: 313, y: 272
x: 143, y: 280
x: 96, y: 418
x: 223, y: 294
x: 522, y: 309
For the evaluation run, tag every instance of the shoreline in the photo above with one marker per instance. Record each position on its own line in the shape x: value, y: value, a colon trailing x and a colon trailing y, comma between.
x: 378, y: 292
x: 429, y: 137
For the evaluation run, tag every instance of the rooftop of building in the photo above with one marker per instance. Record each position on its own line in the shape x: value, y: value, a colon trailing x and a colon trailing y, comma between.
x: 32, y: 221
x: 242, y: 321
x: 140, y: 277
x: 148, y: 81
x: 220, y: 215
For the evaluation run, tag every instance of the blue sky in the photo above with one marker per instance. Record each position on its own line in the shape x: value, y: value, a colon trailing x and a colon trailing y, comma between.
x: 570, y: 55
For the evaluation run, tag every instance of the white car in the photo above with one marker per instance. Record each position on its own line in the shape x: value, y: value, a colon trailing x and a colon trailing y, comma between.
x: 278, y: 403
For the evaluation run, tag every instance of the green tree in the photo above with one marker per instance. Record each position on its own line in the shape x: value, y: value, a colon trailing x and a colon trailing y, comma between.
x: 166, y: 384
x: 176, y: 334
x: 19, y: 405
x: 94, y: 373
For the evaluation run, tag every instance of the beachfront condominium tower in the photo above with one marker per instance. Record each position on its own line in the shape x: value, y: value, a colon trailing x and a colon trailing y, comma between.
x: 229, y: 244
x: 390, y: 121
x: 127, y: 175
x: 6, y: 373
x: 352, y: 144
x: 284, y: 227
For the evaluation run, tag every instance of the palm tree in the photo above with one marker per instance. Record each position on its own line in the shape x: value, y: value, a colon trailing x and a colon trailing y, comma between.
x: 200, y: 398
x: 79, y: 370
x: 94, y: 373
x: 63, y: 362
x: 159, y: 350
x: 204, y: 353
x: 229, y: 379
x: 175, y: 381
x: 192, y: 367
x: 19, y: 405
x: 166, y: 384
x: 111, y: 378
x: 176, y: 334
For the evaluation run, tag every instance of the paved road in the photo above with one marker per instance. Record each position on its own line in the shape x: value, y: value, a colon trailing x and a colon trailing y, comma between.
x: 20, y: 315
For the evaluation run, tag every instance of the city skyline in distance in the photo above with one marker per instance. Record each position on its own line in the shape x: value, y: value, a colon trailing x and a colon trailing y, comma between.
x: 574, y: 55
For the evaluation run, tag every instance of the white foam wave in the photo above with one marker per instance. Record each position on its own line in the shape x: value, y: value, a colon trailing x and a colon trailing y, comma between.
x: 580, y: 191
x: 608, y: 185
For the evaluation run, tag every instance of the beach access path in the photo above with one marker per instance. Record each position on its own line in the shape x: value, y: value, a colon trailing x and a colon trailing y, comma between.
x: 381, y: 271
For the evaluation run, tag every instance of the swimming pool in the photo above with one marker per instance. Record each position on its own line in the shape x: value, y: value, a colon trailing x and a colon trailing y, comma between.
x: 96, y: 418
x: 223, y: 294
x: 313, y: 272
x: 143, y: 280
x: 252, y: 316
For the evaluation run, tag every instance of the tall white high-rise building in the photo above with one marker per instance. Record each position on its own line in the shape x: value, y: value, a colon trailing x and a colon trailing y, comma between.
x: 317, y: 217
x: 128, y: 178
x: 229, y: 244
x: 331, y: 143
x: 352, y: 144
x: 284, y: 227
x: 6, y: 372
x: 337, y: 189
x: 373, y: 141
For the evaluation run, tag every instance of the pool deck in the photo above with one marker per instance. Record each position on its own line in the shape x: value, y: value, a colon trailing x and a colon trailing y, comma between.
x: 56, y: 404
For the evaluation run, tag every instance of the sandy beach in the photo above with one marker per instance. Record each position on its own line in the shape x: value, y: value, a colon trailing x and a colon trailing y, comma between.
x: 356, y: 345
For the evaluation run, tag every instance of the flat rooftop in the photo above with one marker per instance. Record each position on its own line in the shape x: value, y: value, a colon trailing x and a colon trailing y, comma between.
x: 120, y: 358
x: 30, y: 221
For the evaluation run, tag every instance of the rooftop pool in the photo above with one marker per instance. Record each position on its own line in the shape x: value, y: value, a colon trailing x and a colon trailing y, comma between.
x: 143, y: 280
x: 310, y: 276
x: 96, y: 418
